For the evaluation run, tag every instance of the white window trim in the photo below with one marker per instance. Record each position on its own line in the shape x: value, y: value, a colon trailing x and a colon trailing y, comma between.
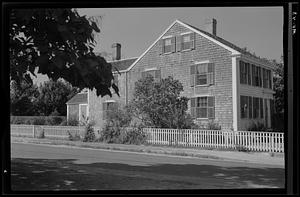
x: 186, y: 33
x: 109, y: 101
x: 166, y: 37
x: 197, y: 63
x: 150, y: 69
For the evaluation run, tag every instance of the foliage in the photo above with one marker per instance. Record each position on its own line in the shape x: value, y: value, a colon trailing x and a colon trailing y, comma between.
x: 134, y: 135
x: 59, y: 43
x: 39, y: 120
x: 213, y: 126
x: 53, y: 96
x: 75, y: 137
x: 89, y: 133
x: 72, y: 122
x: 22, y: 98
x: 257, y: 126
x: 278, y: 81
x: 160, y: 102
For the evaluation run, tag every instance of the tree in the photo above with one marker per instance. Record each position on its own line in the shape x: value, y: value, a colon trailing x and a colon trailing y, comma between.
x: 22, y: 98
x: 161, y: 102
x: 278, y: 81
x: 59, y: 43
x: 53, y: 96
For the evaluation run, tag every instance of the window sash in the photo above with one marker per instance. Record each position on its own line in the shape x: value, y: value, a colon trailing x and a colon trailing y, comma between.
x: 202, y: 74
x: 202, y: 107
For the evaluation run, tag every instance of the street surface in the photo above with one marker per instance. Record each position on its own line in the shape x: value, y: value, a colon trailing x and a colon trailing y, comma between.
x: 47, y: 167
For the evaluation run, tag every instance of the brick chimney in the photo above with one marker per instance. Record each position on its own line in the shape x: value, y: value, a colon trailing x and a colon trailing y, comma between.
x: 210, y: 26
x: 116, y: 52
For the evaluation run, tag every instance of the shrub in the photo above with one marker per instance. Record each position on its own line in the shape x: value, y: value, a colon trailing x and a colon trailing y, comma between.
x: 134, y: 135
x: 64, y: 123
x: 89, y: 134
x: 39, y: 121
x: 213, y: 126
x: 54, y: 120
x: 73, y: 122
x: 75, y: 137
x: 257, y: 126
x: 110, y: 134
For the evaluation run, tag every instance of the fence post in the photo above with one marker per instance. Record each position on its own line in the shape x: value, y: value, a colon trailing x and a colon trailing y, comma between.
x: 33, y: 131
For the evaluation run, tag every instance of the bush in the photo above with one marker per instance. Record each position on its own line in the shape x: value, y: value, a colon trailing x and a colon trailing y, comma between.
x: 213, y: 126
x: 257, y: 126
x: 110, y: 134
x: 89, y: 134
x: 64, y: 123
x: 134, y: 135
x: 54, y: 120
x: 73, y: 122
x: 39, y: 121
x: 75, y: 137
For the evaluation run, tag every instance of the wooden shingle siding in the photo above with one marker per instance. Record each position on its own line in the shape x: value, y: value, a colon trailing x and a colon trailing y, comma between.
x: 179, y: 65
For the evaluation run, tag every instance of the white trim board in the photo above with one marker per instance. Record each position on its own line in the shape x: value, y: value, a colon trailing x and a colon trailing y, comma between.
x: 234, y: 52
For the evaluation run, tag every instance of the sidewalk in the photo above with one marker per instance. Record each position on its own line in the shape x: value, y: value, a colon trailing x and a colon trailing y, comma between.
x: 249, y: 157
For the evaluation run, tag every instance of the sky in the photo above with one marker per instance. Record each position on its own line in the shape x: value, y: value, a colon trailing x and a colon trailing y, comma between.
x: 260, y: 29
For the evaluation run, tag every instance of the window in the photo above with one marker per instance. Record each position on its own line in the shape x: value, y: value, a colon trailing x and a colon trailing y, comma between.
x: 203, y: 107
x: 261, y: 107
x: 255, y: 107
x: 154, y: 73
x: 244, y: 106
x: 187, y: 41
x: 167, y: 45
x: 256, y: 76
x: 202, y: 74
x: 250, y: 106
x: 109, y: 107
x: 243, y: 73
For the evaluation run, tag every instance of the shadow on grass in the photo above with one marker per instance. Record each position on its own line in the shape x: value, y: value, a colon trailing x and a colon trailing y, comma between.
x: 64, y: 174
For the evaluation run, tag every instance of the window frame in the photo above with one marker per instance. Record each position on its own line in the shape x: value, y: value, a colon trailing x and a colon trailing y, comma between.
x: 197, y: 106
x: 209, y: 73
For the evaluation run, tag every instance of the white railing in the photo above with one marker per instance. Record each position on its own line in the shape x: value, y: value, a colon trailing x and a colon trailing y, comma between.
x: 247, y: 140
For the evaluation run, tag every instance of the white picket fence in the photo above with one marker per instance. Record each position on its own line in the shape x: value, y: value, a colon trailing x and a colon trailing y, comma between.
x: 49, y: 131
x: 247, y: 140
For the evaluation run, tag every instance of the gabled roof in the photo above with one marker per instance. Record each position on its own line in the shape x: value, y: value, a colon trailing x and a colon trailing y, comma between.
x: 235, y: 50
x: 78, y: 99
x: 122, y: 64
x: 229, y: 44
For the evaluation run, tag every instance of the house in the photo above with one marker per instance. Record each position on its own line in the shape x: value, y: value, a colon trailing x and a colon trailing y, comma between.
x: 225, y: 83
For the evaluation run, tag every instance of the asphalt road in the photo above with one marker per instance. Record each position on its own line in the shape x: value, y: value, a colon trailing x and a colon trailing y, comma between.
x: 47, y: 167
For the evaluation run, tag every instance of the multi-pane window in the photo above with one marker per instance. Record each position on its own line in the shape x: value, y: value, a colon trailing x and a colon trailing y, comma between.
x: 251, y: 107
x: 154, y: 73
x: 267, y: 78
x: 244, y: 106
x: 187, y: 41
x: 245, y: 75
x: 203, y: 107
x: 261, y: 107
x: 168, y: 45
x: 202, y: 74
x: 108, y: 108
x: 255, y: 107
x: 256, y: 76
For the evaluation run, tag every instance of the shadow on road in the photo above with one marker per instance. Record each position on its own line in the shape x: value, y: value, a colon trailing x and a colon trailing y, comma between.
x: 64, y: 174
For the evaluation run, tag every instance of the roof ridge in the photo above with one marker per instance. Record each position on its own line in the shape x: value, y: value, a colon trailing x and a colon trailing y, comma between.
x: 122, y: 59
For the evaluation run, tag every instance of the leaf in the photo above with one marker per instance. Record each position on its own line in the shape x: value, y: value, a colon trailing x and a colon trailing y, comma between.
x: 41, y: 60
x: 116, y: 89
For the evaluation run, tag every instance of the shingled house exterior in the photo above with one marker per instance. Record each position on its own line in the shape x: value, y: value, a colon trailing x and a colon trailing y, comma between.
x: 224, y: 83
